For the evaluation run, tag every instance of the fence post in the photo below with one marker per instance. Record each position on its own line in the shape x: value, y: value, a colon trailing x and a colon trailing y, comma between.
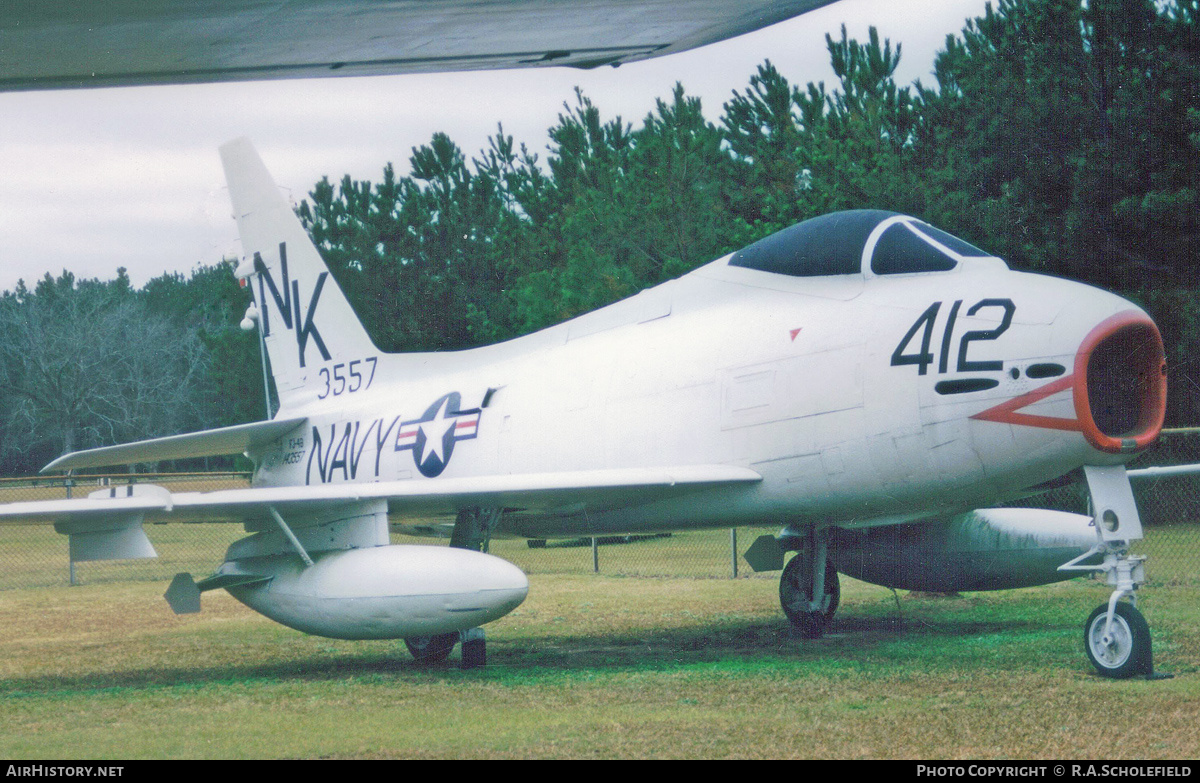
x: 595, y: 556
x: 69, y: 482
x: 733, y: 550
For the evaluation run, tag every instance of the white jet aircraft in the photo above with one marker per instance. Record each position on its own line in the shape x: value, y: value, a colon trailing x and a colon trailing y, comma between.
x: 867, y: 382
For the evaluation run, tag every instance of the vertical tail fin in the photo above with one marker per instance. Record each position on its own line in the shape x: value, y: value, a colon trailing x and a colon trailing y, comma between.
x: 306, y: 322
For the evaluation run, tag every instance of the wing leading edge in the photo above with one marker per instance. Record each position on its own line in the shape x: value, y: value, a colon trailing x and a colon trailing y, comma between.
x: 562, y: 493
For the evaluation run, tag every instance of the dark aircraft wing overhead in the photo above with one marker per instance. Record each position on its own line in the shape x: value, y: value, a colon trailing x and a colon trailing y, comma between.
x: 50, y: 44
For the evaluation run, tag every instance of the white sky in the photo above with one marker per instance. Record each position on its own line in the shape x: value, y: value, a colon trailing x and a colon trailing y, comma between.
x: 92, y: 180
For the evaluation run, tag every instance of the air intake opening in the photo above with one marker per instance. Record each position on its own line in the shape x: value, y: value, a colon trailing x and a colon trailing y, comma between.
x: 1123, y: 402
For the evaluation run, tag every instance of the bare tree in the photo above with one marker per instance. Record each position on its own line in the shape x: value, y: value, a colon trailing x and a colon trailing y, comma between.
x: 88, y: 365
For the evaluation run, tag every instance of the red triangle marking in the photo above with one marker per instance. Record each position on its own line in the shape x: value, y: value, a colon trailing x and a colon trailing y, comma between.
x: 1007, y: 412
x: 795, y: 332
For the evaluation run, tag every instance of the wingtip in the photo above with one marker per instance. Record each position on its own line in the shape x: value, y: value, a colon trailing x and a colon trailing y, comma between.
x: 52, y: 465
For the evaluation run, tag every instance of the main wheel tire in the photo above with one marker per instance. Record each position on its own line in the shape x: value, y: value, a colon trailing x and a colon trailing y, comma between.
x: 1128, y: 650
x: 431, y: 649
x: 794, y: 597
x: 474, y: 653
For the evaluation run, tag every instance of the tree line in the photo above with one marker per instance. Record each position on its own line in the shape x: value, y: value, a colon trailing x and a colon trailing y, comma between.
x: 1061, y: 136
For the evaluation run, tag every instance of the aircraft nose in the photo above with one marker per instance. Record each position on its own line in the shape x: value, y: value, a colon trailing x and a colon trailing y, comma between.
x: 1120, y: 383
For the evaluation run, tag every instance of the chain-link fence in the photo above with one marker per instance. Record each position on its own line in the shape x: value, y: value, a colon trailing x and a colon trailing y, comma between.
x: 36, y: 556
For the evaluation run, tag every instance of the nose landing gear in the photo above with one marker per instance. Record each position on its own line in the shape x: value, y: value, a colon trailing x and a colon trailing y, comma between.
x: 1116, y: 636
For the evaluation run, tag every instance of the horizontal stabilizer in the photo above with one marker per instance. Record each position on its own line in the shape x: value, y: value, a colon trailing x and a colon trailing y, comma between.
x: 208, y: 443
x: 97, y: 511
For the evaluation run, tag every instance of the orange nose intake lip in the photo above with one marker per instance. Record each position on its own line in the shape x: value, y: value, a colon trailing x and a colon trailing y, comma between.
x: 1120, y: 386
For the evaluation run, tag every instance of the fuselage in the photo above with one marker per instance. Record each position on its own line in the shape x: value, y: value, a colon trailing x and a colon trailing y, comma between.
x: 861, y: 399
x: 841, y: 378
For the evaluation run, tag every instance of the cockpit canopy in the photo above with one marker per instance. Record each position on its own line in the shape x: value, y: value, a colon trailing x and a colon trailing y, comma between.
x: 855, y: 242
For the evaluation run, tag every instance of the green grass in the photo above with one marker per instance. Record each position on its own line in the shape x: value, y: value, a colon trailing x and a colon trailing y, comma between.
x: 599, y: 667
x: 691, y: 665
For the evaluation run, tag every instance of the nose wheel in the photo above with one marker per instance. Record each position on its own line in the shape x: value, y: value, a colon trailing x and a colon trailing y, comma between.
x: 1120, y: 648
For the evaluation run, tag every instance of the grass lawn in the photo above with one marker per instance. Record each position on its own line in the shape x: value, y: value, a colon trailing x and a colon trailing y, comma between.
x: 596, y: 666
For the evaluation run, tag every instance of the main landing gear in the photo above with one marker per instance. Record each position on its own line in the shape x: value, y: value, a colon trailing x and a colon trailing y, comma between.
x: 1116, y: 636
x: 809, y: 589
x: 433, y: 650
x: 473, y: 530
x: 808, y: 617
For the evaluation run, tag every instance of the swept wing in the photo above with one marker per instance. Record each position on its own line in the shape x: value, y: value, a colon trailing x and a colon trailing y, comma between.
x: 561, y: 492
